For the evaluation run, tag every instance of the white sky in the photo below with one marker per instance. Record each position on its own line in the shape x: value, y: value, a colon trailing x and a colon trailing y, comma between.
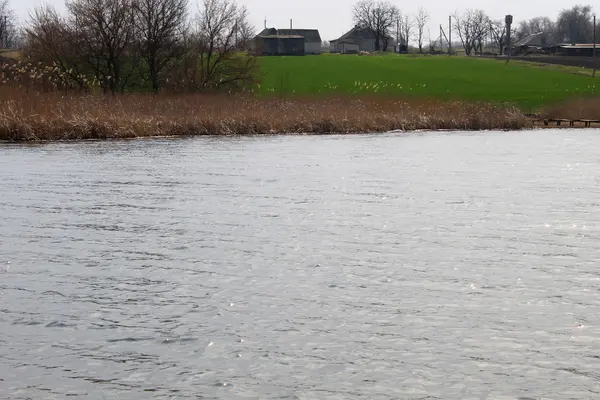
x: 334, y: 17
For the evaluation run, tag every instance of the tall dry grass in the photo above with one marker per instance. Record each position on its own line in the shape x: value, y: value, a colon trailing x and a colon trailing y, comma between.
x: 27, y: 115
x: 575, y: 109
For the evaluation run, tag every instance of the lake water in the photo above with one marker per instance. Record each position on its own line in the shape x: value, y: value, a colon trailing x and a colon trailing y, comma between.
x: 418, y: 266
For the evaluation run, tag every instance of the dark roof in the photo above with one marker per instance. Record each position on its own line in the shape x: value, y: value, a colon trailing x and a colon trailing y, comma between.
x: 358, y: 32
x: 309, y: 35
x: 345, y: 41
x: 268, y: 32
x: 280, y: 37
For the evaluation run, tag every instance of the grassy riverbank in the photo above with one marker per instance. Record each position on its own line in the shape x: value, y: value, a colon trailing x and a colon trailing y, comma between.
x: 529, y: 86
x: 31, y: 116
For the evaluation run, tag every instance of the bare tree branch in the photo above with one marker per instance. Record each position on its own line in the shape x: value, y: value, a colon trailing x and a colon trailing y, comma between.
x: 220, y: 62
x: 9, y: 32
x: 159, y: 26
x: 379, y: 17
x: 421, y: 20
x: 406, y: 29
x: 472, y: 28
x: 104, y: 29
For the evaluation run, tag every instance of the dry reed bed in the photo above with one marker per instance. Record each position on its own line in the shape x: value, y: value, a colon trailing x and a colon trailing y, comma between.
x: 52, y: 116
x: 575, y: 109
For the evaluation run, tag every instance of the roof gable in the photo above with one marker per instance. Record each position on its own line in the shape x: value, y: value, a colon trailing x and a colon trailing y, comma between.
x: 268, y: 32
x: 309, y: 35
x: 358, y: 32
x: 536, y: 39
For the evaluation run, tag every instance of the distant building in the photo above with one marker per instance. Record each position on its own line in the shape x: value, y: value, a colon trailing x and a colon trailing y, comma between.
x: 287, y: 42
x: 578, y: 50
x: 360, y: 37
x: 278, y: 45
x: 543, y: 43
x: 540, y: 42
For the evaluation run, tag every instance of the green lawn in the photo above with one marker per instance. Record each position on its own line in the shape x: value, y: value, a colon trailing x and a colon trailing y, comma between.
x: 527, y: 85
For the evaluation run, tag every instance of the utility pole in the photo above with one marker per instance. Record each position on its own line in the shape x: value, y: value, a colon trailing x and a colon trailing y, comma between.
x: 4, y: 37
x: 594, y: 51
x: 509, y: 20
x: 398, y: 34
x: 450, y: 35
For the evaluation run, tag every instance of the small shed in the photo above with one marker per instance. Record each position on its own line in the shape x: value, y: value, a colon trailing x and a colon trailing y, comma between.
x: 279, y: 45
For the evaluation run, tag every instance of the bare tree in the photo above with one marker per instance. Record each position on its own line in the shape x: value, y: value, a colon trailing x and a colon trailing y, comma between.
x: 220, y: 63
x: 379, y: 17
x: 159, y: 26
x: 421, y: 20
x: 244, y: 33
x: 498, y: 32
x: 535, y: 25
x: 9, y: 32
x: 406, y: 29
x: 472, y: 27
x: 104, y: 37
x: 49, y: 39
x: 575, y: 24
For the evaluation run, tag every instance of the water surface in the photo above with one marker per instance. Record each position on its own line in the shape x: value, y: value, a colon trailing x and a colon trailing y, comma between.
x: 420, y: 266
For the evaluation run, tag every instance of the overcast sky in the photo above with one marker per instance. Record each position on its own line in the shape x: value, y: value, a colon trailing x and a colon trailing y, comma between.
x: 334, y: 17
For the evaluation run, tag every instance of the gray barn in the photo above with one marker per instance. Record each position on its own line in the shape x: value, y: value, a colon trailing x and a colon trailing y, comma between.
x: 311, y: 38
x: 364, y: 38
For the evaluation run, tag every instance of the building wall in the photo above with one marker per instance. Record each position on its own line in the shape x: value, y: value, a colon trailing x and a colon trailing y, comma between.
x: 279, y: 46
x: 348, y: 48
x: 369, y: 44
x: 577, y: 52
x: 312, y: 47
x: 363, y: 45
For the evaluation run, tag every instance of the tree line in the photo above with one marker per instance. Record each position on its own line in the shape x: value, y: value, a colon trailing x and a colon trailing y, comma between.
x: 473, y: 27
x: 159, y: 45
x: 133, y: 45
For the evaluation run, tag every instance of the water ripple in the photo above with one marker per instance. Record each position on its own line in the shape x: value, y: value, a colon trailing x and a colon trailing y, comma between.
x: 428, y: 266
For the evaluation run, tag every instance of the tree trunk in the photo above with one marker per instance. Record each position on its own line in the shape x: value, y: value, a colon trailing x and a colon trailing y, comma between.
x: 153, y: 73
x: 377, y: 41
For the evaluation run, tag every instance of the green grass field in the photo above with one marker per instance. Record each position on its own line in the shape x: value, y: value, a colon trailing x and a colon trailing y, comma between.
x: 529, y: 86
